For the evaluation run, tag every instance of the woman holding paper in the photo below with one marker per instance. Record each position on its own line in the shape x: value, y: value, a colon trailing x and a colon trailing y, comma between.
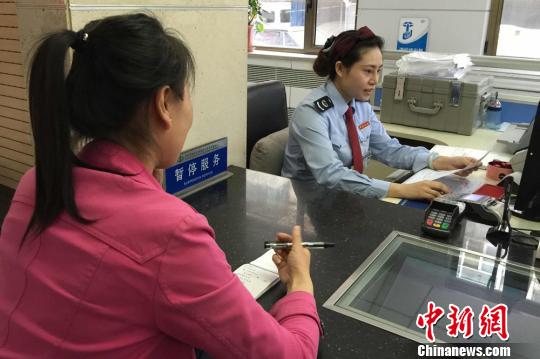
x: 334, y: 130
x: 96, y: 259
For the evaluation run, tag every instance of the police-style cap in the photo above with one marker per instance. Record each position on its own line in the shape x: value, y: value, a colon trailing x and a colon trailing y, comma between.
x: 346, y: 40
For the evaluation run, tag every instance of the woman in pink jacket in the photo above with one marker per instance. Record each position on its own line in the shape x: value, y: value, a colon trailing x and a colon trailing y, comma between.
x: 95, y: 258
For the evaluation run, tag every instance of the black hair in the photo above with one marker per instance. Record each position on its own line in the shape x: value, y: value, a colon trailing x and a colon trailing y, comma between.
x: 118, y: 64
x: 348, y: 47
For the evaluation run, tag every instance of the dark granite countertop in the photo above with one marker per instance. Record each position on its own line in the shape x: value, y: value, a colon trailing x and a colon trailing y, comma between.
x: 250, y: 207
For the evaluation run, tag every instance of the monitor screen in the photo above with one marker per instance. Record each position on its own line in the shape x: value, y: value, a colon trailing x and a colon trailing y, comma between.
x: 528, y: 198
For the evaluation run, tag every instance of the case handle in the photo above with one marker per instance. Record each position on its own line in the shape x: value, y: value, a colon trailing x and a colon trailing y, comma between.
x: 424, y: 110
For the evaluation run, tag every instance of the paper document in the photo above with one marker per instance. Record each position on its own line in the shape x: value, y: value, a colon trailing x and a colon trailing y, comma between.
x: 458, y: 151
x: 259, y: 275
x: 460, y: 185
x: 427, y: 174
x: 476, y: 165
x: 456, y: 184
x: 483, y: 155
x: 431, y: 175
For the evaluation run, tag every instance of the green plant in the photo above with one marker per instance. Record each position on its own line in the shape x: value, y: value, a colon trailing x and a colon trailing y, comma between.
x: 254, y: 14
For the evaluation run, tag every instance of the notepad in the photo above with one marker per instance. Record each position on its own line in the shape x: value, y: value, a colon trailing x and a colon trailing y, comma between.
x: 259, y: 275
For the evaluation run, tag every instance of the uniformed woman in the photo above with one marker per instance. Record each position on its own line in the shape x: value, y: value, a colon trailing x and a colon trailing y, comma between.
x: 334, y: 130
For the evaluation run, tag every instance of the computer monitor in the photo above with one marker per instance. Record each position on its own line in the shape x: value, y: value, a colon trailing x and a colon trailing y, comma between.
x: 528, y: 198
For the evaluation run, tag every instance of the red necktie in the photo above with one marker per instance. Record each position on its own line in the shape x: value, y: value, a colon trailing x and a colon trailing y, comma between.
x: 358, y: 163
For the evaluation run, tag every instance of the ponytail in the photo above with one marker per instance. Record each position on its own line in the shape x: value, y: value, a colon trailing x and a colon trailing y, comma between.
x: 118, y: 64
x: 49, y: 113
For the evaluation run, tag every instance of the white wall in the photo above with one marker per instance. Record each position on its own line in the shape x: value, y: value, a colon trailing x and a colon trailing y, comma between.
x: 216, y: 32
x: 455, y: 26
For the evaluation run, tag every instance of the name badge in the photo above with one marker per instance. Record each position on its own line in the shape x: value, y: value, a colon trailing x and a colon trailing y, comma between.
x: 363, y: 125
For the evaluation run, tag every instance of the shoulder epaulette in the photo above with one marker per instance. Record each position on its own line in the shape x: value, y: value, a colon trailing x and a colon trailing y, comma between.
x: 323, y: 104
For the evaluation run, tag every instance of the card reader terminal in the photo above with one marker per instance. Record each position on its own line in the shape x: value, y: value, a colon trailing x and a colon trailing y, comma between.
x: 487, y: 208
x: 441, y: 217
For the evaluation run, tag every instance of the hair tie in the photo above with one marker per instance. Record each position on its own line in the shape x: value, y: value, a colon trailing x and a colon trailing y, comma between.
x: 328, y: 44
x: 81, y: 40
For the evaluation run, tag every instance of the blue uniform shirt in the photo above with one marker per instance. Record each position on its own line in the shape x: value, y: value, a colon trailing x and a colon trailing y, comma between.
x: 318, y: 147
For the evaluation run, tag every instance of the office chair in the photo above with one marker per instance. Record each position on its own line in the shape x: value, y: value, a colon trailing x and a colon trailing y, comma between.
x: 267, y: 154
x: 266, y: 114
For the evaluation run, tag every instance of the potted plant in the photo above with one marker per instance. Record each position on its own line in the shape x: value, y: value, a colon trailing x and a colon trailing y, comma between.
x: 254, y: 21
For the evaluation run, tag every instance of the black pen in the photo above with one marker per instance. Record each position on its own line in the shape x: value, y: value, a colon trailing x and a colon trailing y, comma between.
x: 285, y: 245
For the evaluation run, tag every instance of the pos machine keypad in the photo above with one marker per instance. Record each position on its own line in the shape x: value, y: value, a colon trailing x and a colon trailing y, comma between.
x: 441, y: 217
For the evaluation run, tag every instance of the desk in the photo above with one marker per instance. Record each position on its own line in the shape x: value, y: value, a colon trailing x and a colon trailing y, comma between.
x: 480, y: 175
x: 481, y: 139
x: 250, y: 207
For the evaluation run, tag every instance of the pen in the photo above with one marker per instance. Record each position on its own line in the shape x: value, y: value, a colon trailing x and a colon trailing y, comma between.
x: 285, y: 245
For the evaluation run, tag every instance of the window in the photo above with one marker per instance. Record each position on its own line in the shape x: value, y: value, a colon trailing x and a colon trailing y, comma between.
x: 514, y: 28
x: 267, y: 16
x: 303, y: 25
x: 285, y: 15
x: 333, y: 17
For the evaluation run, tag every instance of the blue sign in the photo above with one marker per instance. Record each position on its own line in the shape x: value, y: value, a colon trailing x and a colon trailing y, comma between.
x: 413, y: 34
x: 197, y: 165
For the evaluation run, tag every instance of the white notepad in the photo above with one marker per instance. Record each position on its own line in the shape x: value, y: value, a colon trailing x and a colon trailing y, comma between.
x: 259, y: 275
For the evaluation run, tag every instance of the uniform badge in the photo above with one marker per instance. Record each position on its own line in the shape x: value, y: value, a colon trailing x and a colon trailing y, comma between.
x: 363, y: 125
x: 323, y: 104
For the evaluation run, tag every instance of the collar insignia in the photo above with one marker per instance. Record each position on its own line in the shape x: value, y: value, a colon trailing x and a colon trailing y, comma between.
x: 323, y: 104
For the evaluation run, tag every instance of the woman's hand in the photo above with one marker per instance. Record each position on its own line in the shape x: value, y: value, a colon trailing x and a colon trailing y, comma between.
x: 293, y: 263
x: 418, y: 190
x: 455, y: 163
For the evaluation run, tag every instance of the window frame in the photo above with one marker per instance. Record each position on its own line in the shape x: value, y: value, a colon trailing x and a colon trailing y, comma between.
x: 490, y: 46
x: 494, y: 24
x: 493, y: 28
x: 310, y: 27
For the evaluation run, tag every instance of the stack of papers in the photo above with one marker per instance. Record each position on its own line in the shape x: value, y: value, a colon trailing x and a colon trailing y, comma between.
x: 259, y: 275
x: 448, y: 66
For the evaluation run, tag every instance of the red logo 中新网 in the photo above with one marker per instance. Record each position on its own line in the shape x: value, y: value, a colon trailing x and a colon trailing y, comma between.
x: 492, y: 320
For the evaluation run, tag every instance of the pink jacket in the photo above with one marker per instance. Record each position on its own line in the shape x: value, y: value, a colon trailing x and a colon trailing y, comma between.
x: 145, y: 279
